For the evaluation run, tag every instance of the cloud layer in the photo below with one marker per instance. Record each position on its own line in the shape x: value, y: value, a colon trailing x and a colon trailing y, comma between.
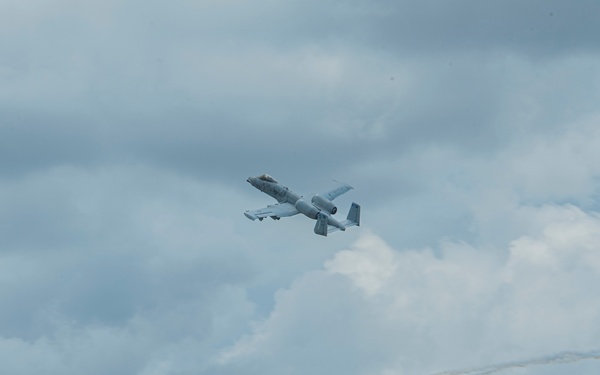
x: 376, y: 310
x: 128, y: 128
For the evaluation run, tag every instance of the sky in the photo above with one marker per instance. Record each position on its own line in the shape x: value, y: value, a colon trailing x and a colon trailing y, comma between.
x: 469, y: 130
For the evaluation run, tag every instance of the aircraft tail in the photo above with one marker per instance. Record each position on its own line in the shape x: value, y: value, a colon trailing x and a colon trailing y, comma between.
x: 324, y: 226
x: 321, y: 225
x: 353, y: 218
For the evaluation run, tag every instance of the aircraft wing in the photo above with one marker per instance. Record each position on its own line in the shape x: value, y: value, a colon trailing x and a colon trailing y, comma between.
x: 331, y: 195
x: 274, y: 210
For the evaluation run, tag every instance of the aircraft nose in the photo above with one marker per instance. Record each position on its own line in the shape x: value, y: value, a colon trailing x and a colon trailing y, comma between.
x: 248, y: 179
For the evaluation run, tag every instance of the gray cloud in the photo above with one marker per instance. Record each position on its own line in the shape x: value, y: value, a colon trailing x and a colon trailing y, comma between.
x: 535, y: 29
x: 568, y: 357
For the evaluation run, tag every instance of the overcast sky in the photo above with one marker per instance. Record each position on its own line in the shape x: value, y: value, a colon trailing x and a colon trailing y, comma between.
x: 470, y: 131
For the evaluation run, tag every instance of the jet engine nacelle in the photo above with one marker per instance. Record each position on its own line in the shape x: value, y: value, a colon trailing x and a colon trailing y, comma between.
x: 307, y: 209
x: 324, y: 204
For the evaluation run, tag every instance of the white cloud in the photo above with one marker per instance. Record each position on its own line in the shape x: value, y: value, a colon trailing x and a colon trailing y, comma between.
x: 376, y: 310
x: 369, y: 265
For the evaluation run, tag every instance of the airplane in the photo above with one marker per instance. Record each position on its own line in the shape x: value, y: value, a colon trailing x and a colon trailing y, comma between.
x: 320, y: 207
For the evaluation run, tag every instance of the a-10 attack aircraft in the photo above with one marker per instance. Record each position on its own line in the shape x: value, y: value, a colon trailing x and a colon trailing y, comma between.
x: 320, y: 207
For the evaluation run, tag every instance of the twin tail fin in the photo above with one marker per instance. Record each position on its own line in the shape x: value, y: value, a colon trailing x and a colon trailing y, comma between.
x: 322, y: 226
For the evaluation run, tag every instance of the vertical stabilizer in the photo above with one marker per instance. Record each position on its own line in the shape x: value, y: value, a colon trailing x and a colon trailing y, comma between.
x: 353, y: 216
x: 321, y: 225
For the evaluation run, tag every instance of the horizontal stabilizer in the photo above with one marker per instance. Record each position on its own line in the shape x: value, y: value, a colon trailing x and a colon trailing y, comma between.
x: 352, y: 220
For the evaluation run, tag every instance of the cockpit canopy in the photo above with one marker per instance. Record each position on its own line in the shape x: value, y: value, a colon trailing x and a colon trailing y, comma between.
x: 266, y: 177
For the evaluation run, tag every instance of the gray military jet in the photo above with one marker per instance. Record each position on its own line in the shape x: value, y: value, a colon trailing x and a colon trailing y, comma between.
x: 320, y: 207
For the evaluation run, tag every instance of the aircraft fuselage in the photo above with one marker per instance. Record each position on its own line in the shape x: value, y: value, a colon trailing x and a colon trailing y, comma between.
x: 282, y: 194
x: 274, y: 189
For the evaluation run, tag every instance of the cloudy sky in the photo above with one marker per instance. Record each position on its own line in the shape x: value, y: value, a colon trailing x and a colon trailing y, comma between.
x: 470, y: 131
